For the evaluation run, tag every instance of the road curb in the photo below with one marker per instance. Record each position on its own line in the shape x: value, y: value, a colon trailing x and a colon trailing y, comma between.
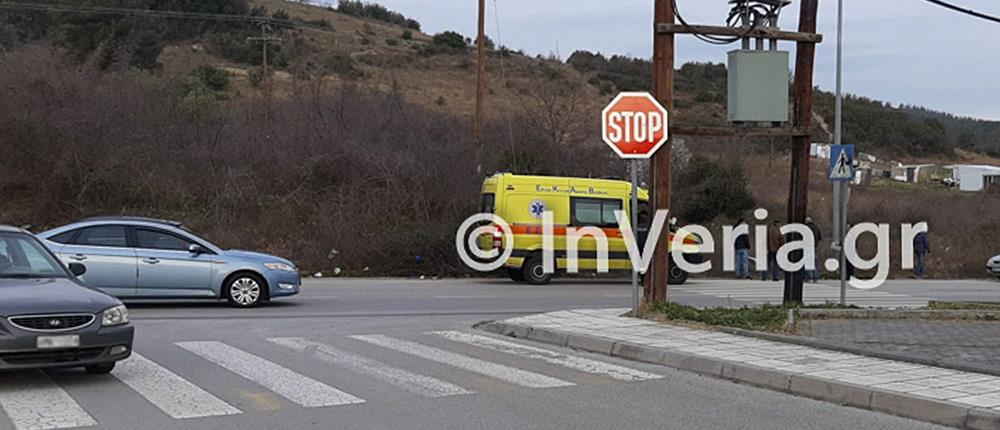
x: 842, y: 393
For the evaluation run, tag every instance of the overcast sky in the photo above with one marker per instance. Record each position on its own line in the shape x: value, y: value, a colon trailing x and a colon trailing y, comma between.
x: 902, y: 51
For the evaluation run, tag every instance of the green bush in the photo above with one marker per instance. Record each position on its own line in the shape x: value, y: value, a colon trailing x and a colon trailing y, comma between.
x: 342, y: 65
x: 391, y: 42
x: 407, y: 35
x: 201, y: 105
x: 487, y: 40
x: 377, y: 12
x: 763, y: 318
x: 214, y: 78
x: 450, y: 39
x: 255, y: 75
x: 708, y: 189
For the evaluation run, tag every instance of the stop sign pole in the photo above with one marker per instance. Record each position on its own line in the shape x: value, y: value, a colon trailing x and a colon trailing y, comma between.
x: 635, y: 126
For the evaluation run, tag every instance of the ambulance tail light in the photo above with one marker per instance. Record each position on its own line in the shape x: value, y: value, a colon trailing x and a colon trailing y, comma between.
x: 498, y: 238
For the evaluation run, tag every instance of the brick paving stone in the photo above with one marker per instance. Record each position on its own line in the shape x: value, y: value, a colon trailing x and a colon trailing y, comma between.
x: 961, y: 342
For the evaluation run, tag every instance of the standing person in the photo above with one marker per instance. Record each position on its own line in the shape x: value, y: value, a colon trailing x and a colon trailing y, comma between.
x: 773, y: 244
x: 817, y: 238
x: 742, y: 246
x: 922, y: 247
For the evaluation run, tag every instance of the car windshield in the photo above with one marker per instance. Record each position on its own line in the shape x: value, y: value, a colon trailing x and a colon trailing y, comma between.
x: 23, y: 257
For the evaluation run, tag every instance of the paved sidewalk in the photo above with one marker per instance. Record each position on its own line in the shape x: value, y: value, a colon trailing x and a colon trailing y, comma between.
x: 943, y: 396
x: 971, y: 345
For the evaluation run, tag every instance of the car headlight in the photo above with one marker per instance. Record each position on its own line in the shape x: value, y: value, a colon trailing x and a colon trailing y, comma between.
x: 117, y: 315
x: 279, y: 266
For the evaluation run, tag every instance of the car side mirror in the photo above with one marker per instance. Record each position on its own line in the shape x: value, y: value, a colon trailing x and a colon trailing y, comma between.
x: 77, y: 269
x: 196, y: 249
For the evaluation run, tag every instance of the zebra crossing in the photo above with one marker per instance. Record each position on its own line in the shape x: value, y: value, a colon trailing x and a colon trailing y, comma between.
x: 41, y: 401
x: 752, y: 292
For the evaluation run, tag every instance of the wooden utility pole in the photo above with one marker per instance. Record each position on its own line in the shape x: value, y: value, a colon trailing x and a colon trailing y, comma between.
x: 655, y: 290
x: 480, y: 83
x: 663, y: 69
x: 798, y: 192
x: 265, y: 39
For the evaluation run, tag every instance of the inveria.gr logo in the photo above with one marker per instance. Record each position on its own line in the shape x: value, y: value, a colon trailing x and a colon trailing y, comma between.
x: 803, y: 246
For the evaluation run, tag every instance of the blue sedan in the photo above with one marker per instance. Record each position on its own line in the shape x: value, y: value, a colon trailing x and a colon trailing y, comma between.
x: 141, y: 258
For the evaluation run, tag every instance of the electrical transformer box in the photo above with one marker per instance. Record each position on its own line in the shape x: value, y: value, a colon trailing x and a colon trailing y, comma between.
x: 758, y: 86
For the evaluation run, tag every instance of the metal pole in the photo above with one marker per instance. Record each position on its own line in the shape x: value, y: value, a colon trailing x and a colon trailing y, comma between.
x: 838, y: 137
x: 835, y: 238
x: 844, y: 203
x: 635, y: 229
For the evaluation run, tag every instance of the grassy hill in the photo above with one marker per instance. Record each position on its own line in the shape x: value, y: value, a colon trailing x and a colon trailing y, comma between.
x: 366, y: 44
x: 359, y: 152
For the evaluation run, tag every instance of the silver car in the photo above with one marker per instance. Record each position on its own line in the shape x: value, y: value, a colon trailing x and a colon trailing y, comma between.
x: 131, y: 258
x: 993, y: 266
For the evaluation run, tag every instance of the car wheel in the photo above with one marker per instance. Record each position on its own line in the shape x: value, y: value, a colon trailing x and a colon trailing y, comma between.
x: 245, y: 291
x: 100, y: 369
x: 677, y: 275
x: 515, y: 275
x: 533, y: 271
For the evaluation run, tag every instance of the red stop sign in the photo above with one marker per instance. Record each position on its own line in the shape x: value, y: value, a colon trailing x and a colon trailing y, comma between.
x: 634, y: 125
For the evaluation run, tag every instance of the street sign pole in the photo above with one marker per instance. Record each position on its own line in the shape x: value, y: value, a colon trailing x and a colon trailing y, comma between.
x: 841, y: 173
x: 635, y: 227
x: 636, y: 126
x: 839, y: 203
x: 844, y: 203
x: 837, y: 246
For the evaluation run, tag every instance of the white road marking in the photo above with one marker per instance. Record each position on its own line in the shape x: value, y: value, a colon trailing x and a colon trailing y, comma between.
x: 298, y: 389
x: 573, y: 362
x: 34, y: 402
x: 409, y: 381
x: 505, y: 373
x: 173, y: 394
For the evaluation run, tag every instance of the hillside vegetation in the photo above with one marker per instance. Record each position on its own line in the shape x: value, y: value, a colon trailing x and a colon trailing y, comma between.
x: 358, y: 152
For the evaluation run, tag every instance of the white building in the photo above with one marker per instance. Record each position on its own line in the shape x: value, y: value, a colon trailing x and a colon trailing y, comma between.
x: 976, y: 177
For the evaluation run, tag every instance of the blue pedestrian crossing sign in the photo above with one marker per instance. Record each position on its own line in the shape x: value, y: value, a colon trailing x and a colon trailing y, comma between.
x: 841, y: 163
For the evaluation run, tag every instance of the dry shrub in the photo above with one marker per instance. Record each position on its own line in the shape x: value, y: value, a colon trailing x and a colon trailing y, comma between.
x: 346, y: 168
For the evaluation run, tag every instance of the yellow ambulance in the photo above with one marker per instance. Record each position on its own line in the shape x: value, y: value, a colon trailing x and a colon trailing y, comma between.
x: 575, y: 202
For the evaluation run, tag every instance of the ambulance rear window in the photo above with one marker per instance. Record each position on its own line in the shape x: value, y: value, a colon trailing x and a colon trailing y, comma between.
x: 595, y: 212
x: 487, y: 206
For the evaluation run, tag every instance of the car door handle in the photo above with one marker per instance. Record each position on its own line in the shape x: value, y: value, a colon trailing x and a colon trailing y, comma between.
x: 78, y: 257
x: 151, y: 260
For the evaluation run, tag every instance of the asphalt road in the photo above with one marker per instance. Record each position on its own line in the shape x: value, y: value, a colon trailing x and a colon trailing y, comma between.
x: 400, y: 354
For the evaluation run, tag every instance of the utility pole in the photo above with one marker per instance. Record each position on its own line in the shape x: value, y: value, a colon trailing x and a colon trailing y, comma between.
x: 655, y: 290
x: 480, y: 83
x: 265, y: 39
x: 798, y: 194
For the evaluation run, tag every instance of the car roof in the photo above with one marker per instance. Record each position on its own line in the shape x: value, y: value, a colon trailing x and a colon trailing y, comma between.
x: 10, y: 229
x: 137, y: 219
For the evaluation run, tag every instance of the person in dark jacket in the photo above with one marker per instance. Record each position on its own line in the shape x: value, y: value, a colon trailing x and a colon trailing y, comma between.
x: 774, y: 242
x: 742, y: 245
x: 813, y: 275
x: 921, y: 247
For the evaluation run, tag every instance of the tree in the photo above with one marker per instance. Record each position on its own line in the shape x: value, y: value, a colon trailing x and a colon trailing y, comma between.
x: 708, y: 189
x: 450, y: 39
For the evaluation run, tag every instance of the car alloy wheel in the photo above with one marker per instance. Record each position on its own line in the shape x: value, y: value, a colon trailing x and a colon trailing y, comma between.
x: 244, y: 291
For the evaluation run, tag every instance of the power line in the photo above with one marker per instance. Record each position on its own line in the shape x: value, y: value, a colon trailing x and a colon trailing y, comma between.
x: 149, y: 13
x: 964, y: 10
